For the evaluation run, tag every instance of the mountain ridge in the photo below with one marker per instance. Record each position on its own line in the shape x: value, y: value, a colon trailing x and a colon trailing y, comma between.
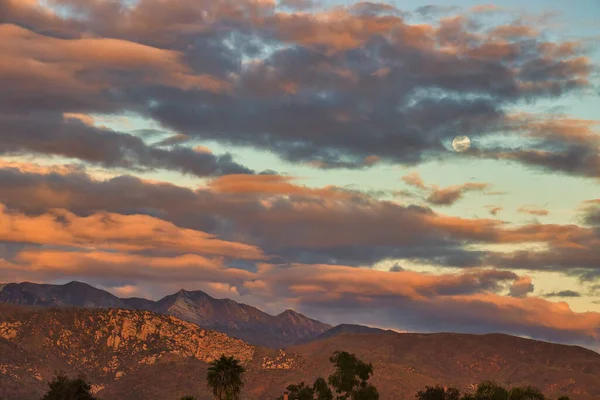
x: 225, y: 315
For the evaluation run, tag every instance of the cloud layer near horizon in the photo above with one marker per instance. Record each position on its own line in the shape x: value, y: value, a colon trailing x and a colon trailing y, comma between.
x: 282, y: 243
x: 343, y: 88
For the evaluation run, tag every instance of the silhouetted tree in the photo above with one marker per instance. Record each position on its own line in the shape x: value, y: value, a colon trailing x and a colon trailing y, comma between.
x: 322, y: 391
x: 489, y: 390
x: 350, y: 377
x: 63, y: 388
x: 438, y: 393
x: 300, y: 392
x: 564, y: 398
x: 349, y: 380
x: 224, y: 377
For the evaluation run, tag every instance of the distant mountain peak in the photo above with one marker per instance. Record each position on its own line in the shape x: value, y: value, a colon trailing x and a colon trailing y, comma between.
x: 291, y: 313
x: 192, y: 293
x: 73, y: 283
x: 225, y: 315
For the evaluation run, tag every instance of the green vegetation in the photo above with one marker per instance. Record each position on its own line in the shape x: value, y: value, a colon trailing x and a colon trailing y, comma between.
x: 486, y: 390
x: 64, y: 388
x: 224, y: 378
x: 349, y: 381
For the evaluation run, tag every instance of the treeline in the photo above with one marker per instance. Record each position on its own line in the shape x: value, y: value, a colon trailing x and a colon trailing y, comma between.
x: 349, y: 381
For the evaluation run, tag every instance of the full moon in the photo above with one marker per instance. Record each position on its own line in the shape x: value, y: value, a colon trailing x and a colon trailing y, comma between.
x: 461, y: 143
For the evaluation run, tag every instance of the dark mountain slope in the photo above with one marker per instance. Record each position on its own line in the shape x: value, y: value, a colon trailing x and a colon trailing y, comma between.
x: 239, y: 320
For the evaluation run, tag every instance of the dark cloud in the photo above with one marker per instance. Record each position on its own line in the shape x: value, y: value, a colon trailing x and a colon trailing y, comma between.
x: 590, y: 214
x: 575, y: 160
x: 396, y: 268
x: 52, y: 134
x: 173, y: 140
x: 521, y: 287
x: 297, y: 4
x: 494, y: 209
x: 563, y: 293
x: 369, y: 85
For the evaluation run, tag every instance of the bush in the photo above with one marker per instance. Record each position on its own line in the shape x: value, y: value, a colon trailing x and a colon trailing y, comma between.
x: 64, y: 388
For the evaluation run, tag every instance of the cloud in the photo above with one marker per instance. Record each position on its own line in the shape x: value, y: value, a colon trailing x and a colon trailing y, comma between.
x: 521, y: 287
x: 414, y: 179
x: 396, y: 268
x: 563, y: 293
x: 173, y: 140
x: 494, y: 209
x: 297, y: 4
x: 450, y: 195
x: 540, y: 212
x: 331, y: 225
x: 590, y: 212
x: 128, y: 269
x: 486, y: 8
x: 443, y: 196
x: 52, y: 134
x: 251, y: 74
x: 435, y: 10
x: 465, y: 302
x: 111, y: 231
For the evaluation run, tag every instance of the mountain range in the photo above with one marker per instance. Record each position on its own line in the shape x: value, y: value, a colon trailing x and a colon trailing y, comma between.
x: 224, y: 315
x: 142, y: 355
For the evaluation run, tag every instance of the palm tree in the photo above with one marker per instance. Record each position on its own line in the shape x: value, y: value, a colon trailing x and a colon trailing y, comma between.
x: 224, y: 377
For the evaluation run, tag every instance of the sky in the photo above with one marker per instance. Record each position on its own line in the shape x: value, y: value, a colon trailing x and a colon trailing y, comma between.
x: 297, y: 154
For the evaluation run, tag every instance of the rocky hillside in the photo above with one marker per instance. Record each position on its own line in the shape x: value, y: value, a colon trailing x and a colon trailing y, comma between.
x: 225, y: 315
x: 106, y: 345
x: 141, y: 355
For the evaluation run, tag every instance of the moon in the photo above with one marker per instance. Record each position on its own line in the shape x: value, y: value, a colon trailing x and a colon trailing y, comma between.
x: 461, y: 143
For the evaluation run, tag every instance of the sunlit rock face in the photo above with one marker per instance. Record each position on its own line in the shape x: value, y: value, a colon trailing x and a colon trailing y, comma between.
x: 239, y: 320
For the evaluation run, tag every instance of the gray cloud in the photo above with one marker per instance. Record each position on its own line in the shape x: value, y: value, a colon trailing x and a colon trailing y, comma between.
x: 50, y: 133
x: 379, y: 88
x: 563, y: 293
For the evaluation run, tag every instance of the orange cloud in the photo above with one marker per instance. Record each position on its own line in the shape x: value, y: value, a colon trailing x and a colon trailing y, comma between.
x: 414, y: 179
x: 443, y: 196
x: 336, y: 29
x: 36, y: 57
x: 27, y: 167
x: 115, y: 231
x: 270, y: 185
x: 562, y: 128
x: 191, y: 268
